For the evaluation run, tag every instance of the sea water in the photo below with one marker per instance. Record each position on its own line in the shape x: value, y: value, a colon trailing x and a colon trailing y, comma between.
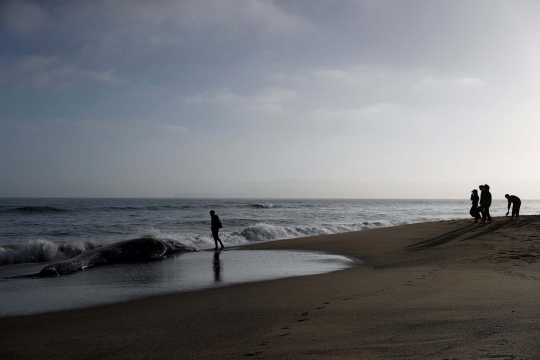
x: 41, y: 230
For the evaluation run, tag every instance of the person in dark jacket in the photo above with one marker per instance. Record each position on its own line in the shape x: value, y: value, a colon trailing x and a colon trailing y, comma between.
x: 485, y: 203
x: 215, y: 226
x: 516, y: 204
x: 481, y: 187
x: 474, y: 208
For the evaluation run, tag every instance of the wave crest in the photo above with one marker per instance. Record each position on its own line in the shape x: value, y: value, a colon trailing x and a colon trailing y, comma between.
x: 261, y: 206
x: 42, y: 250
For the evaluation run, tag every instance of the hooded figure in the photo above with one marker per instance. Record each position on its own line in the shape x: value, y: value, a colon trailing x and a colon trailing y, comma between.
x: 475, y: 213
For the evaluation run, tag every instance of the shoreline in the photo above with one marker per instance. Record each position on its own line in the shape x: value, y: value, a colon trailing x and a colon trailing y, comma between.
x: 123, y: 282
x: 435, y: 289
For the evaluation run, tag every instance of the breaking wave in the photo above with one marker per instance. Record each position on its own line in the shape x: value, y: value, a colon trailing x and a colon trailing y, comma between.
x: 261, y: 232
x: 267, y: 232
x: 261, y: 206
x: 43, y: 250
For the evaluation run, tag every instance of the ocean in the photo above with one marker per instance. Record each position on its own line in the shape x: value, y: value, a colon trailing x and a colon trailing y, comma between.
x: 43, y: 238
x: 43, y: 230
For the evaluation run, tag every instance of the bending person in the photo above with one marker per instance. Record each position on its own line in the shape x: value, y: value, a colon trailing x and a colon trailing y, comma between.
x: 516, y: 204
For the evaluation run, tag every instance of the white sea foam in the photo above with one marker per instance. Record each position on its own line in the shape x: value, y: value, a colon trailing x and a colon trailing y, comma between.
x: 268, y: 232
x: 42, y: 250
x: 261, y: 205
x: 261, y: 232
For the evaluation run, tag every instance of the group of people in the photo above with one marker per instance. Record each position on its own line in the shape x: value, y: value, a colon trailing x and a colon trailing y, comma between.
x: 481, y: 204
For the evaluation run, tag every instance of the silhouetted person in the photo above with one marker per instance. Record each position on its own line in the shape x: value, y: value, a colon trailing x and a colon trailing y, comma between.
x: 516, y: 204
x: 215, y: 226
x: 485, y: 203
x: 474, y: 208
x: 481, y: 187
x: 217, y: 266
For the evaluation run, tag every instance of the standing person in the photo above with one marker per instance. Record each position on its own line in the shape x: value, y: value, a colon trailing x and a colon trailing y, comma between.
x: 481, y: 187
x: 215, y: 226
x: 516, y: 202
x: 485, y: 203
x: 474, y: 208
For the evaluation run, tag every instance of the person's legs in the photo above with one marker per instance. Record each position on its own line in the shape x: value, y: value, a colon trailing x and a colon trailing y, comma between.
x: 483, y: 215
x: 515, y: 210
x: 215, y: 234
x: 474, y: 213
x: 488, y: 216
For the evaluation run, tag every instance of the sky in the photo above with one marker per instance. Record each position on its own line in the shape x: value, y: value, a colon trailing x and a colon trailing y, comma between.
x: 287, y: 99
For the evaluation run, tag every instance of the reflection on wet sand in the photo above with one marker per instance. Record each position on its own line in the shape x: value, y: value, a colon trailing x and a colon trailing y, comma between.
x: 217, y: 266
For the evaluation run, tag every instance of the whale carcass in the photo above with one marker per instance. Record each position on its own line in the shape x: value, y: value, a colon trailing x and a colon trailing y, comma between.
x: 137, y: 250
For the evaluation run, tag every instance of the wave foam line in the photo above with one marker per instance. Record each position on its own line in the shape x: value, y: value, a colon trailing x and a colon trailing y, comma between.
x: 263, y: 232
x: 42, y: 250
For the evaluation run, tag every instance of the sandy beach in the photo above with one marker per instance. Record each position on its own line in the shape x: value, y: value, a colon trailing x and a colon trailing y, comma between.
x: 440, y: 290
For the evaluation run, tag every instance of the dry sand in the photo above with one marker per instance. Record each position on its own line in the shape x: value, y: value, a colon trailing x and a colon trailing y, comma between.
x: 443, y: 290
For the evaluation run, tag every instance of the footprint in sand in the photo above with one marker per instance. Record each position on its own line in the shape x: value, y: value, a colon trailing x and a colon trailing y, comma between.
x: 286, y: 327
x: 255, y: 353
x: 300, y: 320
x: 327, y: 302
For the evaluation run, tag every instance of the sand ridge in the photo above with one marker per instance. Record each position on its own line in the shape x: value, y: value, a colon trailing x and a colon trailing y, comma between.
x: 441, y: 290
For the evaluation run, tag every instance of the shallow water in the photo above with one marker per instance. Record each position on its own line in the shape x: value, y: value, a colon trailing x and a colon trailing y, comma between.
x: 182, y: 272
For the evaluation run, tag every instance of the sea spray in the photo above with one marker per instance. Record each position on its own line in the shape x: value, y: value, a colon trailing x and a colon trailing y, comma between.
x: 42, y: 250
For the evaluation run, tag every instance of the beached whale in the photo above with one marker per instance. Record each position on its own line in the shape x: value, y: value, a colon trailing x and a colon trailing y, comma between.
x: 137, y: 250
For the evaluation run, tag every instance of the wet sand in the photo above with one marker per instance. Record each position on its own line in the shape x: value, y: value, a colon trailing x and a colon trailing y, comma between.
x: 180, y: 272
x: 444, y: 290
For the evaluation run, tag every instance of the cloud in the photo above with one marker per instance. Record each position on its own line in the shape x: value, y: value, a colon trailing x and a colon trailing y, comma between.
x: 377, y: 110
x: 131, y: 27
x: 22, y: 17
x: 174, y: 128
x: 26, y: 127
x: 233, y: 15
x: 40, y: 72
x: 455, y: 81
x: 364, y: 92
x: 171, y: 22
x: 267, y: 100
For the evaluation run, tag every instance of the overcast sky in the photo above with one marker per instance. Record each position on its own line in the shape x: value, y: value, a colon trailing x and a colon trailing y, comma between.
x: 354, y: 99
